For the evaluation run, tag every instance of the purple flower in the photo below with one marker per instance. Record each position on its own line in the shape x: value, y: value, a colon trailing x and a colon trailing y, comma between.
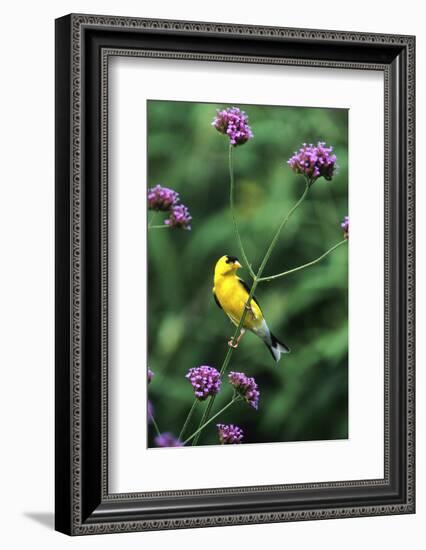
x: 229, y: 434
x: 205, y: 381
x: 314, y: 162
x: 246, y: 387
x: 150, y: 375
x: 167, y: 439
x: 161, y: 198
x: 150, y: 411
x: 345, y: 226
x: 234, y: 123
x: 179, y: 217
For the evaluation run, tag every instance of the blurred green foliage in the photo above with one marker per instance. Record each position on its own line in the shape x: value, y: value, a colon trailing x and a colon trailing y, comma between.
x: 305, y: 395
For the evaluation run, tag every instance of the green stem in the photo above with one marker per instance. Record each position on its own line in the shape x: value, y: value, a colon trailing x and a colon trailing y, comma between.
x: 151, y: 220
x: 228, y: 356
x: 256, y: 280
x: 154, y: 423
x: 284, y: 273
x: 234, y: 219
x: 202, y: 426
x: 159, y: 226
x: 280, y: 228
x: 188, y: 418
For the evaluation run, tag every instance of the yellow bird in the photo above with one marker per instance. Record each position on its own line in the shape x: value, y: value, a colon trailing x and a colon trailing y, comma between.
x: 231, y: 294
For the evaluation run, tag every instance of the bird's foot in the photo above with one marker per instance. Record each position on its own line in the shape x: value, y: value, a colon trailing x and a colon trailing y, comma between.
x: 232, y: 344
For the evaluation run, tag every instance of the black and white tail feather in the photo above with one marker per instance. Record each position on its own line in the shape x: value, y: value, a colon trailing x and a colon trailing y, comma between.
x: 275, y: 347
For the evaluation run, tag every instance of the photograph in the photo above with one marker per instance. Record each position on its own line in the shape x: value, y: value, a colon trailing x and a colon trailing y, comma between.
x: 235, y: 273
x: 210, y: 299
x: 247, y: 260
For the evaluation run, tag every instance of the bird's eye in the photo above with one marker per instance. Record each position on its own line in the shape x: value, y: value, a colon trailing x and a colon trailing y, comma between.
x: 231, y: 259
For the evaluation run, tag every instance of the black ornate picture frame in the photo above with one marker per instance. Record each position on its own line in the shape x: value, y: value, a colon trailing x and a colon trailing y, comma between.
x: 84, y: 43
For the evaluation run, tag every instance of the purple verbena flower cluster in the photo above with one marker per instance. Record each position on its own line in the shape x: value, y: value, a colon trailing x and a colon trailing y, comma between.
x: 167, y: 200
x: 167, y: 439
x: 314, y: 161
x: 234, y: 123
x: 179, y: 217
x: 246, y: 387
x: 205, y: 381
x: 345, y: 226
x: 229, y: 434
x: 161, y: 198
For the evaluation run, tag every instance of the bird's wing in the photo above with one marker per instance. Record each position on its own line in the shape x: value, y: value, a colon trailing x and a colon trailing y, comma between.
x: 245, y: 285
x: 216, y: 300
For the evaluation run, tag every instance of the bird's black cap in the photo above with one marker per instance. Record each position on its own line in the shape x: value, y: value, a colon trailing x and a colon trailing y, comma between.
x: 231, y: 259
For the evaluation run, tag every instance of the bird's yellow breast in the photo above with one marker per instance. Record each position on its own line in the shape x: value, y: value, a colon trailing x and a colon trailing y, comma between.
x: 232, y: 297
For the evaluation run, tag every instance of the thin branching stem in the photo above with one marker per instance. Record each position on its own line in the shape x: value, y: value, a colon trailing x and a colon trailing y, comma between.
x: 159, y: 227
x: 228, y: 356
x: 151, y: 220
x: 256, y: 280
x: 278, y: 232
x: 154, y: 423
x: 201, y: 428
x: 294, y: 269
x: 188, y: 419
x: 234, y: 219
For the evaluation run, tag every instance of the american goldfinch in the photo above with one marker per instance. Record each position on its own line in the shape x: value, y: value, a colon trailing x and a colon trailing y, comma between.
x: 231, y: 294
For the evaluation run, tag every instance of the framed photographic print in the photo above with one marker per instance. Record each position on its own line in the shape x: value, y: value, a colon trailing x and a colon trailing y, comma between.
x: 234, y: 274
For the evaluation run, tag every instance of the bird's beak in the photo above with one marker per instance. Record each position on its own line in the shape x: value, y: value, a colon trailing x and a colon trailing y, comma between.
x: 238, y: 265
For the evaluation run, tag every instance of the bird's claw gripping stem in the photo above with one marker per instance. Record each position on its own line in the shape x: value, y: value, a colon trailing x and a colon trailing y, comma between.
x: 233, y: 344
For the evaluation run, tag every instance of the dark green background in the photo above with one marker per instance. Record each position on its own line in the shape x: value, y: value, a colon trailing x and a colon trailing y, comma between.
x: 305, y: 395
